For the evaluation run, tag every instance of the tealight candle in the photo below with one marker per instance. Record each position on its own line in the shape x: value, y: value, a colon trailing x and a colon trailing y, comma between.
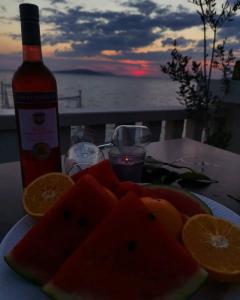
x: 127, y: 162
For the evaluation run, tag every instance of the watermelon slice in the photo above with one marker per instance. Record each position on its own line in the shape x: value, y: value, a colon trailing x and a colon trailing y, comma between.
x: 47, y: 245
x: 103, y: 172
x: 125, y: 186
x: 185, y: 202
x: 129, y: 256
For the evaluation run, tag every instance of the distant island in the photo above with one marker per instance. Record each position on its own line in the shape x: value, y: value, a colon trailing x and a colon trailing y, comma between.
x: 84, y: 72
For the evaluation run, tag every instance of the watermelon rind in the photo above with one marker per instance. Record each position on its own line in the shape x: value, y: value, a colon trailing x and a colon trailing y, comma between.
x: 57, y: 294
x: 21, y: 271
x: 183, y: 293
x: 193, y: 197
x: 189, y: 288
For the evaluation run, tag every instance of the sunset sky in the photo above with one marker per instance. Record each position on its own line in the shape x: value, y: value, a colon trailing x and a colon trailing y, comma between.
x: 126, y: 37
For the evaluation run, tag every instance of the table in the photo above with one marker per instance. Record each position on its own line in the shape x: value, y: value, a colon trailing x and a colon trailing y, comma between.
x: 220, y: 165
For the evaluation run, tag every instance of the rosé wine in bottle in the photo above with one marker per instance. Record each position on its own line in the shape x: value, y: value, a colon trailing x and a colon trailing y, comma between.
x: 36, y: 104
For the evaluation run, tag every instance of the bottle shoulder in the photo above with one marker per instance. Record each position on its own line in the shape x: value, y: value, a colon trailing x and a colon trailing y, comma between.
x: 33, y: 76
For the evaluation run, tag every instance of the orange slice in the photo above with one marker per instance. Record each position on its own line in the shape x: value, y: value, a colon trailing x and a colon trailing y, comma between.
x: 215, y: 244
x: 44, y: 191
x: 167, y: 214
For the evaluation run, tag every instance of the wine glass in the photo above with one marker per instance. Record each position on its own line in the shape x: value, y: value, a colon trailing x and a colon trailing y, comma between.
x: 131, y: 135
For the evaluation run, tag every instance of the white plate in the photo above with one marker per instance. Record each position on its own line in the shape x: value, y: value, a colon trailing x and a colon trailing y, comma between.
x: 14, y: 287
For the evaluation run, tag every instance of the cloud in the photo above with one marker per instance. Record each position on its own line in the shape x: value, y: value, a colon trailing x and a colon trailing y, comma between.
x: 200, y: 44
x: 91, y: 32
x: 2, y: 9
x: 229, y: 32
x: 15, y: 36
x: 154, y: 56
x: 145, y: 6
x: 181, y: 41
x: 231, y: 29
x: 58, y: 1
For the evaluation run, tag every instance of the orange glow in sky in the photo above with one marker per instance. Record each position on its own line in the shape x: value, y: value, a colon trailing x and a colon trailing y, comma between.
x: 138, y: 73
x: 136, y: 68
x: 110, y: 52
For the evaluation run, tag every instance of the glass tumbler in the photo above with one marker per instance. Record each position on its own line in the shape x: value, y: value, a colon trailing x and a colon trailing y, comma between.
x: 81, y: 156
x: 127, y: 162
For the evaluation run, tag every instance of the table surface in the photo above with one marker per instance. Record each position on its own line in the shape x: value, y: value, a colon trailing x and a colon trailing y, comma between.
x: 219, y: 165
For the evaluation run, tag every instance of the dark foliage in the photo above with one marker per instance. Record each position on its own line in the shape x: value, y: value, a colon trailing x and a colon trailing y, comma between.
x: 195, y: 78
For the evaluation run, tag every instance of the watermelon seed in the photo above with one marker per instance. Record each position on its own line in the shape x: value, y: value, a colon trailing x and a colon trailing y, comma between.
x: 67, y: 215
x: 151, y: 217
x: 83, y: 221
x: 132, y: 246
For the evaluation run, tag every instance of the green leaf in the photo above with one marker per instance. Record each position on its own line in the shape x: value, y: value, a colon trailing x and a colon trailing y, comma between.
x: 234, y: 198
x: 155, y: 173
x: 194, y: 179
x: 194, y: 176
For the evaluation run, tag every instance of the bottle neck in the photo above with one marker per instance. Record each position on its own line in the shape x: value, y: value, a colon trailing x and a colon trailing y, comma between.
x: 32, y: 53
x: 31, y: 40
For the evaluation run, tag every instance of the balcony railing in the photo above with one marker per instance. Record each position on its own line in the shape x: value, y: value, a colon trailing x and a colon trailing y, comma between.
x: 167, y: 123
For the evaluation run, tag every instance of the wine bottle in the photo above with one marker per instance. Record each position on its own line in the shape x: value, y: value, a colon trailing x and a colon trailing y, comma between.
x: 36, y: 104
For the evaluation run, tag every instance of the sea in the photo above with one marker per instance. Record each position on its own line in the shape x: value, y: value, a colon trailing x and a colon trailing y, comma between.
x: 110, y: 91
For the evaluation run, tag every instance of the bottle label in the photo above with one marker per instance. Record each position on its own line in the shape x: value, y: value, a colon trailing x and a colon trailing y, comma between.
x: 30, y: 98
x: 38, y: 130
x: 37, y: 126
